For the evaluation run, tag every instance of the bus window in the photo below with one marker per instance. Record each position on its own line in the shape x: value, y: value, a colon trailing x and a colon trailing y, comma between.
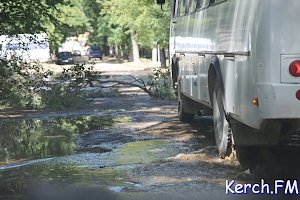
x: 216, y: 1
x: 187, y: 6
x: 205, y: 3
x: 182, y: 7
x: 199, y: 4
x: 193, y: 4
x: 175, y: 9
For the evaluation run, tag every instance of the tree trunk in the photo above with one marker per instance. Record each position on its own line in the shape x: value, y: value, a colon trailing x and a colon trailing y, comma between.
x: 125, y: 55
x: 118, y: 53
x: 163, y: 60
x: 135, y: 47
x: 105, y: 47
x: 154, y: 55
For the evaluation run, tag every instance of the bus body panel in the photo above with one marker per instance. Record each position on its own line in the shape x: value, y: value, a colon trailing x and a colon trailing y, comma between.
x: 255, y: 41
x: 210, y: 31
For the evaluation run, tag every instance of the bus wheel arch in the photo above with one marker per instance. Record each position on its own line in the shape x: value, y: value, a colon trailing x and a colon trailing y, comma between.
x: 214, y: 74
x: 222, y: 129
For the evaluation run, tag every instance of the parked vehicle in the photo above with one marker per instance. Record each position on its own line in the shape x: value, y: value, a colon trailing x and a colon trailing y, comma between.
x: 65, y: 57
x: 76, y: 53
x: 241, y: 60
x: 95, y: 52
x: 26, y: 47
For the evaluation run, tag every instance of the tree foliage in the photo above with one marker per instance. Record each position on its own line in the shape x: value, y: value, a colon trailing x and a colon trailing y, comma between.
x: 70, y: 20
x: 18, y: 82
x: 58, y: 18
x: 25, y: 16
x: 144, y: 16
x: 22, y: 84
x: 109, y: 21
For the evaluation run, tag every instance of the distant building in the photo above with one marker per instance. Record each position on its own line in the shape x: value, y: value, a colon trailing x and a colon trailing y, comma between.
x: 73, y: 44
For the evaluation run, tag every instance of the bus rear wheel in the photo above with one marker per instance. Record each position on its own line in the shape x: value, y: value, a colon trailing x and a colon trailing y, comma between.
x: 223, y: 133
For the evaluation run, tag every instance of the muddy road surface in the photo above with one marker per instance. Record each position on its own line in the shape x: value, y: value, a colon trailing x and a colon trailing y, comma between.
x: 128, y: 147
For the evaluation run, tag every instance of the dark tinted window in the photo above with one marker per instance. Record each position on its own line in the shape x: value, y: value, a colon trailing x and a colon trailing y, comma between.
x: 95, y: 49
x: 64, y: 54
x: 174, y: 9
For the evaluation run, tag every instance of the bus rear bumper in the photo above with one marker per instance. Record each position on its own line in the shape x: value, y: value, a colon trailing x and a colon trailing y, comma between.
x: 279, y: 116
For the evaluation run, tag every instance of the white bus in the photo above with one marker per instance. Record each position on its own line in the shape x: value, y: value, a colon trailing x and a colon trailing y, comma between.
x: 27, y: 47
x: 240, y: 59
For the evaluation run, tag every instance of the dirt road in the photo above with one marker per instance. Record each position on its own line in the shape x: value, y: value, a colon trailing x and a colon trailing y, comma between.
x: 128, y: 147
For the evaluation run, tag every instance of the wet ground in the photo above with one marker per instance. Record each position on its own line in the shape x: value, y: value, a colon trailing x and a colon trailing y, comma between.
x: 128, y: 147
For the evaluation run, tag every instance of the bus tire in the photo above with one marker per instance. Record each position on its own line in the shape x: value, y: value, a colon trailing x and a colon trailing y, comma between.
x: 222, y: 130
x: 182, y: 114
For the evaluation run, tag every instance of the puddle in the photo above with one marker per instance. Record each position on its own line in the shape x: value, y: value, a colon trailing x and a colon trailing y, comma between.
x: 87, y: 170
x: 126, y: 156
x: 68, y: 152
x: 143, y: 152
x: 38, y: 156
x: 117, y: 189
x: 29, y: 139
x: 41, y: 178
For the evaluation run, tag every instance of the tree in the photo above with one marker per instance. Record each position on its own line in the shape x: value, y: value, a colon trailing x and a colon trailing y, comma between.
x: 153, y: 28
x: 25, y: 16
x: 123, y: 13
x: 70, y: 20
x: 20, y: 81
x: 92, y: 10
x: 143, y: 20
x: 58, y: 18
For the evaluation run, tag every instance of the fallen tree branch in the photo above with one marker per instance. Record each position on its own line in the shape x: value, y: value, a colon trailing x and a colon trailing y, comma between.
x: 81, y: 77
x: 133, y: 84
x: 141, y: 81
